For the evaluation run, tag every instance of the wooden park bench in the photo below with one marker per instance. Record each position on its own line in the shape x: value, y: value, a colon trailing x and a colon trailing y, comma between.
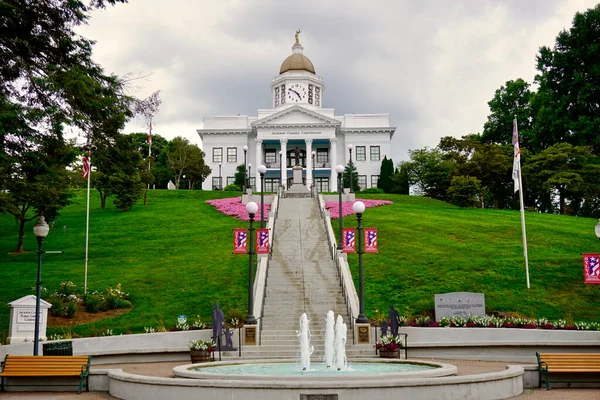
x: 567, y: 363
x: 47, y: 366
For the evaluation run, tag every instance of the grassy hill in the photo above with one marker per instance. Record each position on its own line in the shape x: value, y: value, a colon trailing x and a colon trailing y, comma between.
x: 174, y: 257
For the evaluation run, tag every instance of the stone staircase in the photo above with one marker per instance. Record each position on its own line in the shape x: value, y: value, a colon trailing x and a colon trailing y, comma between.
x: 302, y: 277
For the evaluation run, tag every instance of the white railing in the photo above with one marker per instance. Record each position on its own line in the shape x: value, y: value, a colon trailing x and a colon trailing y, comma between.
x: 348, y: 288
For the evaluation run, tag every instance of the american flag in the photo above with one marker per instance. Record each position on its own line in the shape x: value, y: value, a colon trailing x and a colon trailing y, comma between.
x: 349, y: 238
x: 372, y: 238
x: 263, y: 237
x: 241, y: 239
x: 86, y: 166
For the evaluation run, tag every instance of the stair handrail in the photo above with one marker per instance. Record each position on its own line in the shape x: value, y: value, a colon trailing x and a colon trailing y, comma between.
x: 348, y: 288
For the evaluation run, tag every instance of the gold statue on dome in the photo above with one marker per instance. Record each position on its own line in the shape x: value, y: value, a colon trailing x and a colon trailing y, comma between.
x: 297, y: 33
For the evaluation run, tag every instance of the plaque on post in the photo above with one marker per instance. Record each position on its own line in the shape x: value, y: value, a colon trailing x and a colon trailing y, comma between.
x: 363, y: 333
x: 459, y: 304
x: 250, y: 335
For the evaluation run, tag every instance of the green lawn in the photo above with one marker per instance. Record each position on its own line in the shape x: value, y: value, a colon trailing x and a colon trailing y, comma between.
x: 174, y: 257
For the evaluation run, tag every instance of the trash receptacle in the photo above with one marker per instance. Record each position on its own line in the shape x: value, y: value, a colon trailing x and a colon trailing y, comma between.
x: 58, y: 349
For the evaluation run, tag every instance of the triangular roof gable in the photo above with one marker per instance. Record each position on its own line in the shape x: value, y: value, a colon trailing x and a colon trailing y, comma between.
x: 28, y: 300
x: 290, y: 116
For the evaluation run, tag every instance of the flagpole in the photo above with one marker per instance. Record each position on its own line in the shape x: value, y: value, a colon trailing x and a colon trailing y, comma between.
x: 523, y: 230
x: 149, y: 148
x: 87, y: 226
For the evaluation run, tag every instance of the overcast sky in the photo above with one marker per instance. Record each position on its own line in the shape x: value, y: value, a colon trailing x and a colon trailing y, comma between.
x: 432, y: 65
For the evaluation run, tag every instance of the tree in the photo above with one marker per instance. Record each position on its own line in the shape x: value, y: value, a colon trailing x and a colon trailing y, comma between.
x: 510, y: 101
x: 350, y: 170
x: 400, y: 181
x: 430, y: 172
x: 127, y: 189
x: 198, y: 171
x: 464, y: 190
x: 561, y: 169
x: 569, y: 85
x: 385, y: 175
x: 181, y: 156
x: 34, y: 179
x: 239, y: 176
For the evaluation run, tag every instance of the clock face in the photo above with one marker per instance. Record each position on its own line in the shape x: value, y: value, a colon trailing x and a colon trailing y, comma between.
x: 296, y: 93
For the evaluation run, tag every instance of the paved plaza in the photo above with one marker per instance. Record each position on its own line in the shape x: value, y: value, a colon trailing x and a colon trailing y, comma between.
x: 164, y: 370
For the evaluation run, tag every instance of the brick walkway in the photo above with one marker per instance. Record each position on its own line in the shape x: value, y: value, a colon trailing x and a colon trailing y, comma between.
x: 164, y: 370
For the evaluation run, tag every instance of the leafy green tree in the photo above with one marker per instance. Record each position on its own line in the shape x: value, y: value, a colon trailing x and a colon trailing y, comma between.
x: 349, y: 171
x: 510, y: 101
x: 569, y: 85
x: 127, y: 189
x: 561, y: 169
x: 429, y: 171
x: 33, y: 177
x: 239, y: 176
x: 182, y: 156
x: 198, y: 171
x: 385, y: 175
x: 464, y: 191
x: 400, y: 180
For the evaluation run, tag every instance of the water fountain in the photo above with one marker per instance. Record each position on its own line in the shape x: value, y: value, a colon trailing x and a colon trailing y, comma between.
x: 329, y: 339
x: 341, y: 333
x: 306, y: 349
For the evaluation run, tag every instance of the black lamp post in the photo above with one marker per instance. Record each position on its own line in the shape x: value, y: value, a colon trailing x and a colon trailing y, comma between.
x: 350, y: 147
x: 249, y: 176
x: 313, y: 168
x: 40, y: 230
x: 358, y: 208
x: 220, y: 178
x: 340, y: 170
x: 261, y: 170
x: 245, y: 148
x: 251, y: 208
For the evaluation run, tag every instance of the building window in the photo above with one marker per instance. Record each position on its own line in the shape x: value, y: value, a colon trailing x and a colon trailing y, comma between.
x: 322, y: 157
x: 217, y: 183
x: 230, y: 180
x: 322, y: 184
x: 375, y: 153
x: 217, y: 154
x: 291, y: 158
x: 270, y: 157
x: 374, y: 181
x: 271, y: 184
x: 252, y: 183
x: 232, y: 154
x: 361, y: 153
x: 362, y: 182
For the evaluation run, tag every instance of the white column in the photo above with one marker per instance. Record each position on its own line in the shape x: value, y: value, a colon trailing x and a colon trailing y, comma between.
x: 309, y: 177
x: 283, y: 178
x: 258, y: 163
x: 333, y: 163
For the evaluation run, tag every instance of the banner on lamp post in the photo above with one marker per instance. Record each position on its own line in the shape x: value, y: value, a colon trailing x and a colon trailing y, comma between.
x: 262, y: 241
x: 371, y: 240
x: 591, y: 270
x: 240, y: 243
x: 348, y: 240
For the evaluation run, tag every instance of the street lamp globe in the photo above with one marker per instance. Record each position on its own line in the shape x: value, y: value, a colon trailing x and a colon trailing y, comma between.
x: 262, y: 169
x: 598, y: 229
x: 358, y: 207
x: 252, y: 207
x: 339, y: 169
x: 41, y: 228
x: 245, y: 148
x: 350, y: 147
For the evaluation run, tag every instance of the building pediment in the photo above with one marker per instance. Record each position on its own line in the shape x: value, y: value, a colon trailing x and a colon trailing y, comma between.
x: 295, y: 116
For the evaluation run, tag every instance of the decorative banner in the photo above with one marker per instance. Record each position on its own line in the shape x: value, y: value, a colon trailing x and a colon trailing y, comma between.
x: 591, y: 270
x: 371, y: 240
x: 262, y: 241
x: 239, y: 241
x: 348, y: 240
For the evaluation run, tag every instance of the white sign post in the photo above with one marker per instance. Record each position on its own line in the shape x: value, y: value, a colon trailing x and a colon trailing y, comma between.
x: 22, y: 319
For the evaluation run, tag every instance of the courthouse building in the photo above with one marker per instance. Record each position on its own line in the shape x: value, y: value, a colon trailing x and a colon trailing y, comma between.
x: 296, y: 124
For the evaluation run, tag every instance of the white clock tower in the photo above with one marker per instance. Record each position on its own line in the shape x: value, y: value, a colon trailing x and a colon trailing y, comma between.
x: 297, y: 82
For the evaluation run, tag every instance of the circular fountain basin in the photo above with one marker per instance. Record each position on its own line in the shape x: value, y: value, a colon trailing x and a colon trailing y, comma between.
x: 287, y: 370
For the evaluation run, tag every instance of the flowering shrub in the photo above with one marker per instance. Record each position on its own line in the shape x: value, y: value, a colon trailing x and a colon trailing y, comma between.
x: 206, y: 345
x: 234, y: 208
x: 390, y: 343
x: 334, y: 207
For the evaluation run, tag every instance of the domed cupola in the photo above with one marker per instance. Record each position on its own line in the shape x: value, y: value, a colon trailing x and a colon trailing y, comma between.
x: 297, y: 61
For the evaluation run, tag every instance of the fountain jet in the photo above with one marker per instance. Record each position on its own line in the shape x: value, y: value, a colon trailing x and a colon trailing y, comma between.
x: 329, y: 339
x: 306, y: 349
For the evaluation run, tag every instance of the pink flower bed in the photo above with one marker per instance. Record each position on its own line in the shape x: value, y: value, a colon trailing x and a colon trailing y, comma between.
x: 334, y: 207
x: 234, y: 207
